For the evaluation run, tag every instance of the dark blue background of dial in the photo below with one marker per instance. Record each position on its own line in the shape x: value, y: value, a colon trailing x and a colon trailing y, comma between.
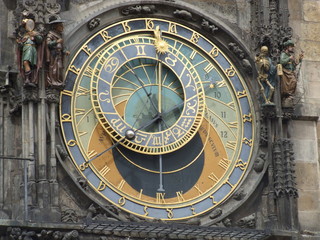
x: 182, y: 180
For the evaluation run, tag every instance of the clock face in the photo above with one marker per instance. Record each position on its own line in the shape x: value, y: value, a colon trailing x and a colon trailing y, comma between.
x: 157, y: 119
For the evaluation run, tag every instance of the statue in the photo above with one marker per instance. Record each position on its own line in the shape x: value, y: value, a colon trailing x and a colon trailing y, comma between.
x: 30, y: 53
x: 54, y: 55
x: 266, y: 74
x: 289, y: 77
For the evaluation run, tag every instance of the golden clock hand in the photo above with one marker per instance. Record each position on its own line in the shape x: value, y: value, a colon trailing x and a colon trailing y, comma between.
x: 142, y: 85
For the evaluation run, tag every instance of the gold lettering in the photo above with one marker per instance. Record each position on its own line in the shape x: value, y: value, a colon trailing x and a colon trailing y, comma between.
x: 126, y: 27
x: 172, y: 28
x: 118, y: 125
x: 140, y: 193
x: 230, y: 72
x: 208, y: 68
x: 79, y: 111
x: 104, y: 170
x: 145, y: 209
x: 170, y: 213
x: 105, y: 36
x: 214, y: 52
x: 122, y: 201
x: 149, y: 24
x: 74, y: 69
x: 104, y: 96
x: 189, y: 83
x: 193, y: 210
x: 91, y: 154
x: 101, y: 186
x: 224, y: 163
x: 195, y: 37
x: 156, y: 140
x: 247, y: 117
x: 213, y: 177
x: 171, y: 61
x: 193, y: 54
x: 180, y: 196
x: 84, y: 166
x: 221, y: 83
x: 160, y: 197
x: 231, y: 145
x: 87, y: 50
x: 198, y: 189
x: 121, y: 184
x: 66, y: 118
x: 241, y: 164
x: 111, y: 65
x: 232, y: 124
x: 242, y: 94
x: 140, y: 50
x: 72, y: 143
x: 82, y: 91
x: 247, y: 141
x: 67, y: 92
x: 213, y: 201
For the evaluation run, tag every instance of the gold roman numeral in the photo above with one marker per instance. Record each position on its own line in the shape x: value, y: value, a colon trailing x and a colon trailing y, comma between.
x: 180, y: 196
x: 103, y: 171
x: 231, y: 145
x: 224, y: 163
x: 160, y: 197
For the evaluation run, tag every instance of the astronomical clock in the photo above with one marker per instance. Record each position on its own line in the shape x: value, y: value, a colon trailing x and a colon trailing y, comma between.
x: 158, y: 117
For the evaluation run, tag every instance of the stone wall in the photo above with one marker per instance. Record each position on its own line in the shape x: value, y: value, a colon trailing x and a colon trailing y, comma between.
x: 305, y: 21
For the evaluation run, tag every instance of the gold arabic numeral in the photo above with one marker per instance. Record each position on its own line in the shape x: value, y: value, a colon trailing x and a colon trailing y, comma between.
x: 74, y: 69
x: 140, y: 194
x: 84, y: 166
x: 242, y: 94
x: 82, y: 91
x: 79, y: 111
x: 214, y: 178
x: 171, y: 60
x: 91, y: 154
x: 122, y: 201
x: 145, y: 209
x: 104, y: 96
x: 126, y: 27
x: 189, y: 83
x: 101, y: 186
x: 170, y: 213
x: 180, y: 197
x: 103, y: 171
x: 230, y: 71
x: 172, y: 28
x: 111, y: 65
x: 197, y: 187
x: 149, y: 24
x: 160, y: 197
x: 121, y: 184
x: 231, y: 145
x: 195, y: 37
x: 247, y: 117
x: 241, y: 164
x: 214, y: 52
x: 193, y: 210
x: 224, y: 163
x: 140, y: 50
x: 247, y: 141
x: 232, y: 124
x: 118, y: 125
x: 213, y: 201
x: 72, y: 143
x: 87, y: 50
x: 105, y: 36
x: 67, y: 92
x: 66, y: 118
x: 208, y: 68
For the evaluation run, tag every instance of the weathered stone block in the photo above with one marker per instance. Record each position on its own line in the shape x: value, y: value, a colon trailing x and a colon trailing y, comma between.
x: 305, y: 130
x: 307, y: 175
x: 310, y: 31
x: 311, y: 11
x: 305, y: 150
x: 295, y: 7
x: 311, y: 50
x: 308, y: 200
x: 310, y: 70
x: 313, y: 90
x: 309, y: 220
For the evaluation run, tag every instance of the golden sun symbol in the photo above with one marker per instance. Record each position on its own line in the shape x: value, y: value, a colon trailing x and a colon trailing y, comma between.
x: 161, y: 46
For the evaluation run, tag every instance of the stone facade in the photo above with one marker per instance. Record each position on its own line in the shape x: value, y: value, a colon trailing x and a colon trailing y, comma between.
x: 55, y: 211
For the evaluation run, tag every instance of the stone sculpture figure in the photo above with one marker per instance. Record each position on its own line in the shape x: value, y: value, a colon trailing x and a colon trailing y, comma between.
x: 55, y: 52
x: 289, y: 76
x: 30, y: 53
x: 266, y: 74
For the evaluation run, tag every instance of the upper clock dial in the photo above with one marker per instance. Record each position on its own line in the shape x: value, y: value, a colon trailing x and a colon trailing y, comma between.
x: 159, y: 96
x: 157, y: 119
